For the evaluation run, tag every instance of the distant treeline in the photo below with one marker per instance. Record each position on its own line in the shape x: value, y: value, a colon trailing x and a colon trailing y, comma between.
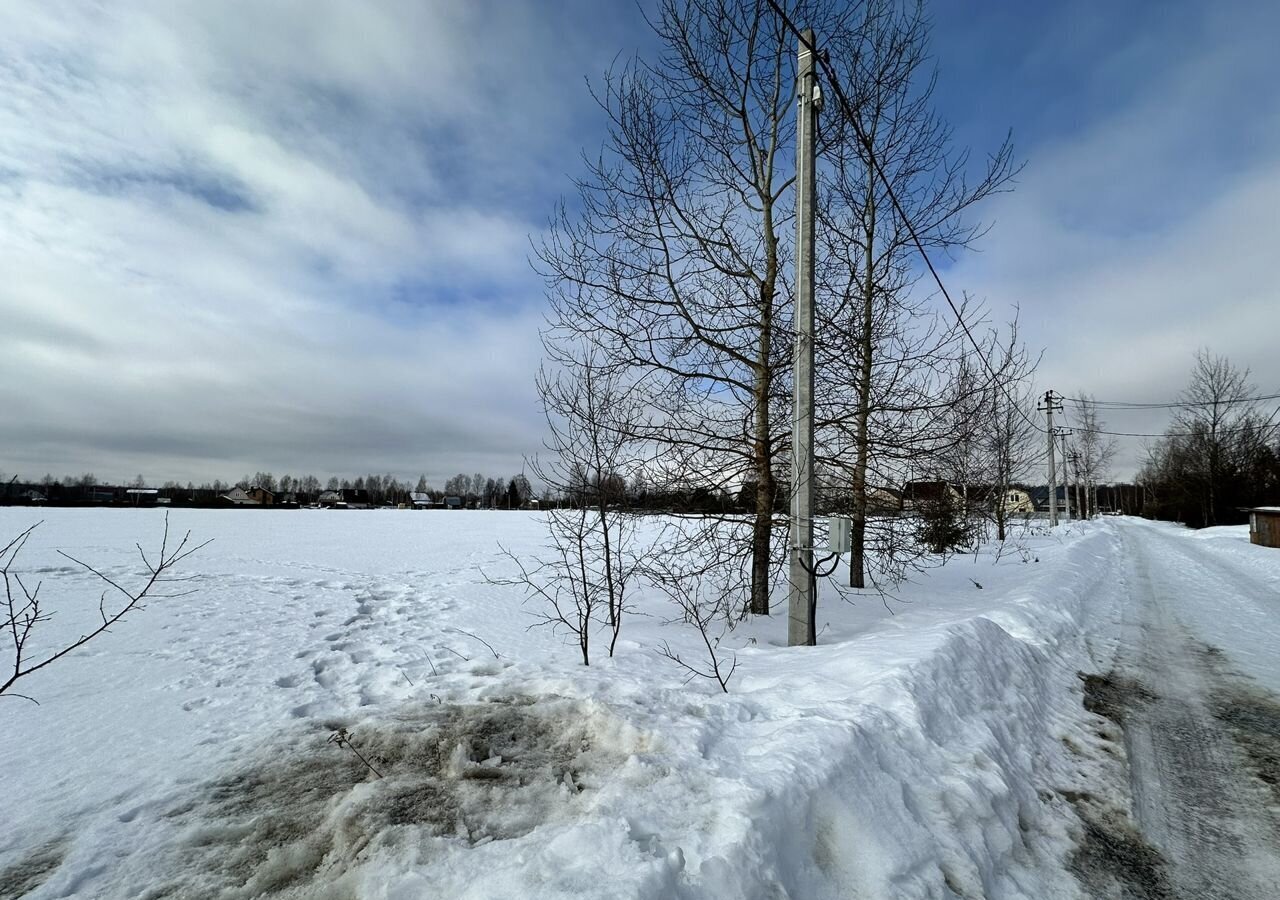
x: 371, y: 490
x: 478, y: 492
x: 1221, y: 454
x: 460, y: 491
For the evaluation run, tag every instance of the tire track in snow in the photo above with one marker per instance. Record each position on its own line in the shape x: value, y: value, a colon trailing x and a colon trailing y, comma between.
x: 1195, y: 797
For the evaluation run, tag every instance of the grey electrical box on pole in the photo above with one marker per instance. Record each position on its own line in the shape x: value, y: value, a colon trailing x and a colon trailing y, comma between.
x: 801, y: 614
x: 839, y: 535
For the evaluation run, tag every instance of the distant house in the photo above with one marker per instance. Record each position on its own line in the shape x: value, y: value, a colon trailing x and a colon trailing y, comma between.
x: 329, y: 498
x: 1040, y: 498
x: 421, y: 500
x: 453, y: 503
x: 1017, y: 502
x: 32, y: 497
x: 922, y: 493
x: 142, y: 496
x: 1264, y: 526
x: 262, y: 496
x: 355, y: 498
x: 237, y: 497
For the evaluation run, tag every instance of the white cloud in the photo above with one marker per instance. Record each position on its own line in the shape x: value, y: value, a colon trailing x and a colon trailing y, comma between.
x: 1150, y: 231
x: 242, y: 236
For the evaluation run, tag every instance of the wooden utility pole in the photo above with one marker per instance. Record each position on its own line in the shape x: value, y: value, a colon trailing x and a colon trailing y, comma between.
x: 801, y: 600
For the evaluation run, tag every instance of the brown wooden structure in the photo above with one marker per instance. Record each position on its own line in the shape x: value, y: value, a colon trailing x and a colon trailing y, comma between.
x: 1264, y: 526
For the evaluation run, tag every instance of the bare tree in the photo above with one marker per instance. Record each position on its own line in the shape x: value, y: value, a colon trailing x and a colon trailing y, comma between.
x: 1091, y: 452
x: 673, y: 262
x: 672, y: 265
x: 961, y: 459
x: 25, y: 610
x: 582, y: 582
x: 894, y: 346
x: 1011, y: 439
x: 712, y: 663
x: 1215, y: 456
x: 990, y: 439
x: 1216, y: 422
x: 697, y: 565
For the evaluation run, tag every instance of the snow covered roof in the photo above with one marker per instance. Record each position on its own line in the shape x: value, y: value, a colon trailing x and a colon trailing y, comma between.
x: 239, y: 498
x: 1273, y: 510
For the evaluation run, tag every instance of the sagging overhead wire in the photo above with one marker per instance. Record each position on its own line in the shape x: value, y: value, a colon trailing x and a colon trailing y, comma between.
x: 1267, y: 426
x: 1177, y: 404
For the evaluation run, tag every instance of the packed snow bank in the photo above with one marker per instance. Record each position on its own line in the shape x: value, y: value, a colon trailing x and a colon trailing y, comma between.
x: 919, y: 753
x: 922, y: 757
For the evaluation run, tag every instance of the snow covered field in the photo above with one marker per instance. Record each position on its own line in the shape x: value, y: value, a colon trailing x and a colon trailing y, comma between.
x: 928, y: 751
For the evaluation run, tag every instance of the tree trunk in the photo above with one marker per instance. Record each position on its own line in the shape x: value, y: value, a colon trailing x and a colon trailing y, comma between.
x: 858, y: 528
x: 762, y: 447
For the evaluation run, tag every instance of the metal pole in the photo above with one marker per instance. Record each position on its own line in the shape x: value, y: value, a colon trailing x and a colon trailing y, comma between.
x: 801, y: 599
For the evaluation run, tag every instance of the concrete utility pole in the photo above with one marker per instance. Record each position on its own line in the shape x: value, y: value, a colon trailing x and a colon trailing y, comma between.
x: 1081, y: 512
x: 1066, y: 482
x: 1050, y: 404
x: 801, y: 600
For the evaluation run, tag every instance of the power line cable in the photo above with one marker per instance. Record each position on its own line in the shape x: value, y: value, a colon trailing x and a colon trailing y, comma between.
x: 1267, y: 425
x: 1178, y: 404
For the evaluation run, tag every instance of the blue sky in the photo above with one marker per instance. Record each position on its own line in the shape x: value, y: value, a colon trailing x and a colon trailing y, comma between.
x: 293, y: 236
x: 1144, y: 224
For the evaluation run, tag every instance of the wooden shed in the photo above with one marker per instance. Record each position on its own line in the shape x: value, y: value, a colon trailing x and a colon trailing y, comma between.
x: 1264, y: 526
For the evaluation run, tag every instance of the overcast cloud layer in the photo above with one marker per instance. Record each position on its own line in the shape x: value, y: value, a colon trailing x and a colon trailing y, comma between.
x: 293, y: 236
x: 286, y: 236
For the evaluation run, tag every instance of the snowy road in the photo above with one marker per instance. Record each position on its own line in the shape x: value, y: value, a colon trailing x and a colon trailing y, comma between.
x: 1194, y: 689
